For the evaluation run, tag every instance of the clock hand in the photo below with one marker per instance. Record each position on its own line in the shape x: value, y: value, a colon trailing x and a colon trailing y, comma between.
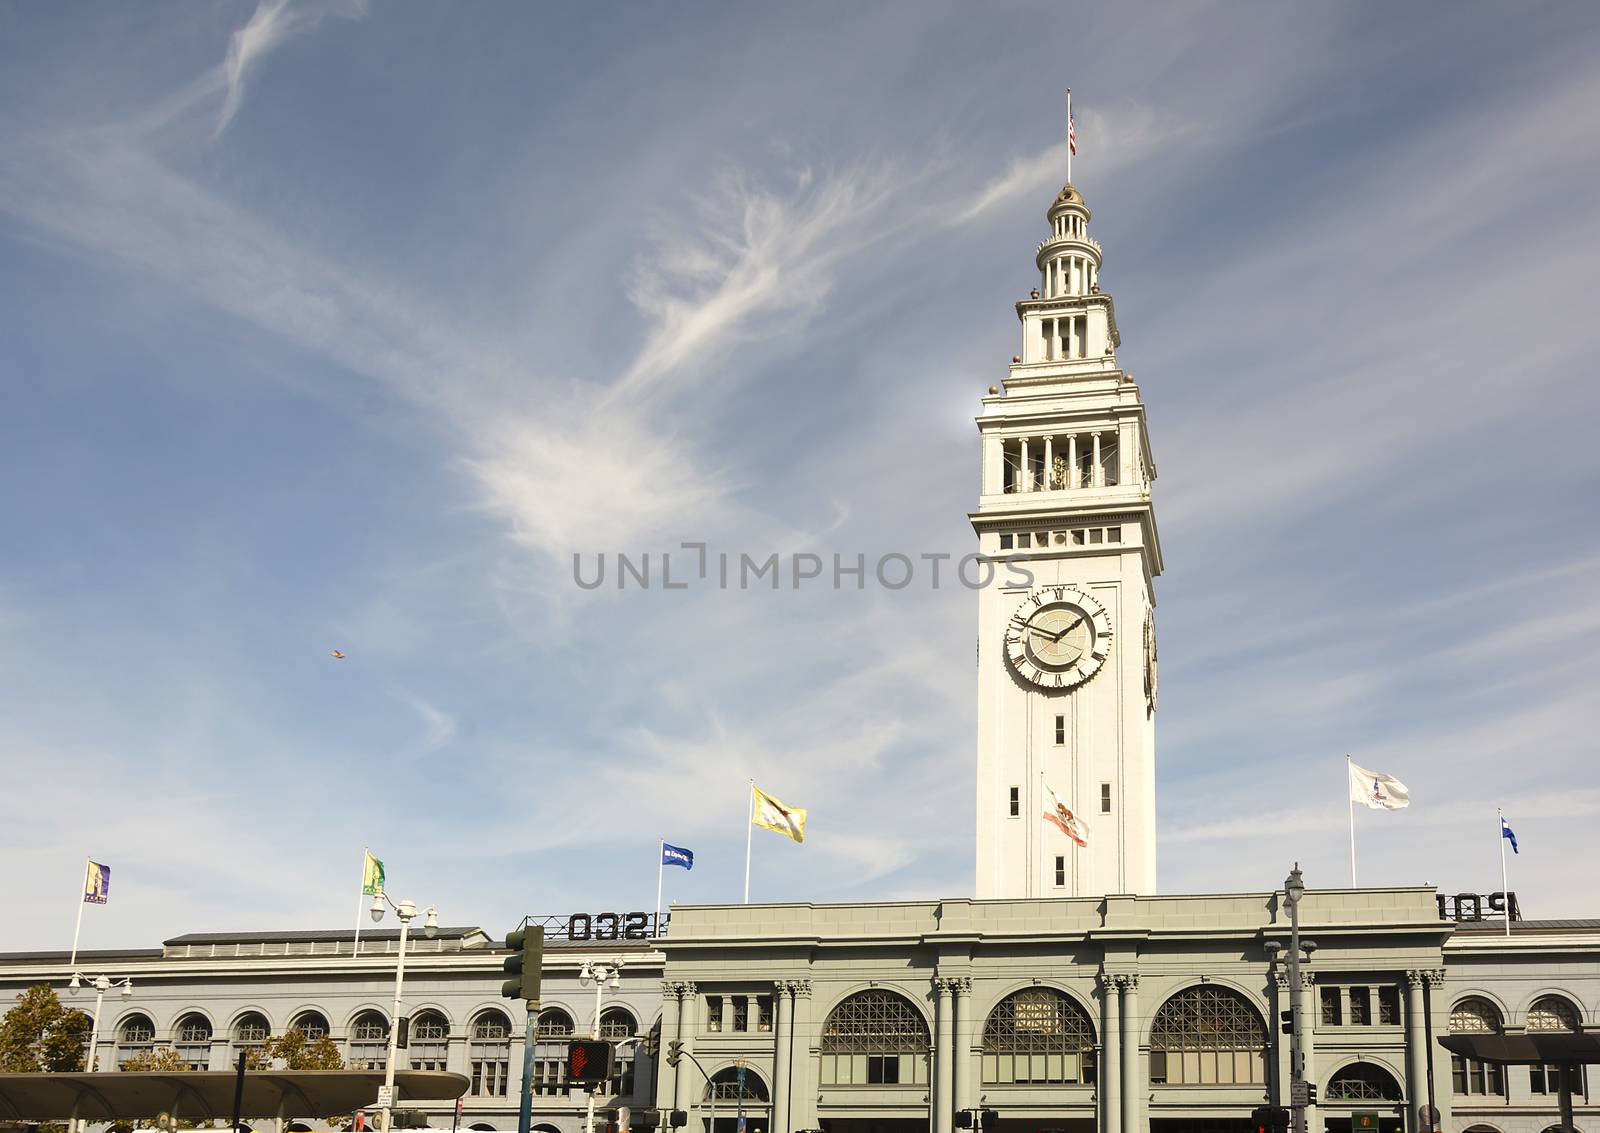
x: 1075, y: 623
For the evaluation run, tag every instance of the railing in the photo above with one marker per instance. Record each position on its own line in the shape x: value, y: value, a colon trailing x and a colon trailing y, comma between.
x: 584, y: 928
x: 1089, y: 240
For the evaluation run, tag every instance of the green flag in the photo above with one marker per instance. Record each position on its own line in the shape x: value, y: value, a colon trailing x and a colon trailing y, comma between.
x: 372, y: 876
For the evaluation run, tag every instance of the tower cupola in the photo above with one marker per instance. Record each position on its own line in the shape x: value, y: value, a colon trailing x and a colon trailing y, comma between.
x: 1069, y: 261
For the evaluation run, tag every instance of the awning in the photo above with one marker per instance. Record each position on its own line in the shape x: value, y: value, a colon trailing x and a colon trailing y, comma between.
x: 1526, y: 1050
x: 203, y: 1094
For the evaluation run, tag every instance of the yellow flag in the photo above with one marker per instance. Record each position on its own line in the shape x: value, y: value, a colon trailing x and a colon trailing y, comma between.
x: 371, y: 875
x: 770, y: 814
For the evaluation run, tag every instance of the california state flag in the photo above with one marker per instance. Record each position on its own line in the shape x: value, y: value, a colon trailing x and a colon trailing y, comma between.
x: 1057, y: 814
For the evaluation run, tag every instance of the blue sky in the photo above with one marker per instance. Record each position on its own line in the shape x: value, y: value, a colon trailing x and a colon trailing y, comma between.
x: 343, y: 327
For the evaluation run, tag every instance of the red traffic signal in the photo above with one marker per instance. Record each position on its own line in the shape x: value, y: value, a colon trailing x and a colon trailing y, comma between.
x: 588, y: 1062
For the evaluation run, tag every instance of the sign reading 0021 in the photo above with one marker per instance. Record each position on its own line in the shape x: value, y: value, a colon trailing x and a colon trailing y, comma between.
x: 1058, y: 638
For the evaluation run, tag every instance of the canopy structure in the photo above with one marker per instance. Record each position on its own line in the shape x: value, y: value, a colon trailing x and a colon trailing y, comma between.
x: 201, y: 1095
x: 1564, y: 1049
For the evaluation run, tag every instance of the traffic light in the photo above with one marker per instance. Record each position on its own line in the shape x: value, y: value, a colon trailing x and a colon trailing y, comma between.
x: 678, y: 1118
x: 402, y: 1035
x: 524, y: 964
x: 1311, y: 1093
x: 963, y: 1119
x: 988, y: 1118
x: 588, y: 1062
x: 1270, y: 1119
x: 1288, y: 1021
x: 674, y: 1052
x: 651, y: 1042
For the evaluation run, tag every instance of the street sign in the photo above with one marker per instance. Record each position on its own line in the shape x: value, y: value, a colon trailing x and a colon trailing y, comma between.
x: 1299, y: 1093
x: 1364, y: 1121
x: 385, y: 1097
x: 1429, y: 1116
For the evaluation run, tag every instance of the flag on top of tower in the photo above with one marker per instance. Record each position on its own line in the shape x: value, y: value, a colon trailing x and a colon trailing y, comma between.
x: 96, y: 884
x: 1375, y: 790
x: 1072, y: 133
x: 676, y: 855
x: 770, y: 814
x: 1058, y: 815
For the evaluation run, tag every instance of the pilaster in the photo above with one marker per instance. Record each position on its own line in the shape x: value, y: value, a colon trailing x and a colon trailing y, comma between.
x: 1133, y: 1085
x: 966, y: 1043
x: 803, y: 1056
x: 782, y: 1023
x: 667, y: 1076
x: 1416, y: 1052
x: 1435, y: 1003
x: 1110, y: 1062
x: 944, y: 1057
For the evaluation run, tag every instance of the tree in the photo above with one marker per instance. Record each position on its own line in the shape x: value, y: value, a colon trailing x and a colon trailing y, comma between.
x: 40, y: 1034
x: 157, y: 1058
x: 296, y: 1050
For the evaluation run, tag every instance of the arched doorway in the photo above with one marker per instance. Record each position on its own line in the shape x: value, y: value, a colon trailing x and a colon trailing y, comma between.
x: 877, y: 1038
x: 1358, y: 1093
x: 743, y: 1104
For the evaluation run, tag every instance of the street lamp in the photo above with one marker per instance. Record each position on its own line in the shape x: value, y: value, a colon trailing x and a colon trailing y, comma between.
x: 405, y: 910
x: 101, y: 985
x: 1294, y: 888
x: 602, y: 974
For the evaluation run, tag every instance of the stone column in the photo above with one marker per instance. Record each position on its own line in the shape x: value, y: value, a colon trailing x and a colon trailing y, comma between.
x: 803, y: 1060
x: 1280, y: 1041
x: 1132, y: 1081
x: 781, y: 1019
x: 1309, y: 1013
x: 943, y: 1058
x: 1096, y: 477
x: 1110, y: 1069
x: 666, y: 1095
x: 966, y: 1039
x: 1049, y: 460
x: 688, y: 1027
x: 1433, y: 999
x: 1072, y: 459
x: 1025, y: 470
x: 1416, y: 1053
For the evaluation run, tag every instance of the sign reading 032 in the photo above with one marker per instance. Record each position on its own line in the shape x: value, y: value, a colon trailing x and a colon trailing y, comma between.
x: 1058, y: 638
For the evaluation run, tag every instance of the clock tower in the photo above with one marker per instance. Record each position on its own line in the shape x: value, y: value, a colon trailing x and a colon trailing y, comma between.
x: 1066, y: 627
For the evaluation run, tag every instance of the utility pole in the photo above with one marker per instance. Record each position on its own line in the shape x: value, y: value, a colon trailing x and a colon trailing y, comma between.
x: 1299, y: 1091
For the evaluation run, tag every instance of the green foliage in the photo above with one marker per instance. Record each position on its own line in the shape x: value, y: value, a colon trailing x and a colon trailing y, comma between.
x: 294, y: 1050
x: 157, y: 1058
x: 40, y: 1034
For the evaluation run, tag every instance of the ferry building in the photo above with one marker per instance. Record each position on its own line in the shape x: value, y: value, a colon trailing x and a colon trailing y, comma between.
x: 1066, y: 994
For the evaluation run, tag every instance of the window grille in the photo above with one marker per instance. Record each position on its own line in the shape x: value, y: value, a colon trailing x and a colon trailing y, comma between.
x: 250, y: 1031
x: 554, y: 1023
x: 430, y: 1041
x: 135, y: 1037
x: 194, y: 1042
x: 369, y: 1042
x: 1038, y: 1035
x: 490, y: 1055
x: 1208, y: 1036
x: 866, y: 1029
x: 1474, y: 1016
x: 724, y: 1086
x: 311, y: 1024
x: 1388, y: 1006
x: 1363, y: 1082
x: 616, y: 1025
x: 1552, y: 1014
x: 741, y: 1013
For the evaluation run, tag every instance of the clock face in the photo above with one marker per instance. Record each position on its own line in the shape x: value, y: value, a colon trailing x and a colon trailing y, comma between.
x: 1058, y: 638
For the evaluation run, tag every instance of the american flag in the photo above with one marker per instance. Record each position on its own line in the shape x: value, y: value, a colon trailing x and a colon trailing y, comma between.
x: 1072, y: 134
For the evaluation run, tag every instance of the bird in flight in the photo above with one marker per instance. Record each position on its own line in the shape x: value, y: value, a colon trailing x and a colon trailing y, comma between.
x: 336, y: 655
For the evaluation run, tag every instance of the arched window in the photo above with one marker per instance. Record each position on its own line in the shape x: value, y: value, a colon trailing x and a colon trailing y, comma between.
x: 369, y: 1041
x: 135, y: 1036
x: 194, y: 1042
x: 875, y: 1038
x: 1362, y: 1082
x: 311, y: 1024
x: 1552, y: 1013
x: 490, y: 1054
x: 616, y: 1024
x: 1208, y: 1036
x: 250, y: 1030
x: 1475, y: 1016
x: 1038, y: 1035
x: 726, y: 1087
x: 554, y: 1023
x: 429, y: 1047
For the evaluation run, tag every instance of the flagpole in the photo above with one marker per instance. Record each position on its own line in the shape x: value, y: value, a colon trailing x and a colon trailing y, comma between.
x: 661, y: 872
x: 749, y: 829
x: 1350, y: 797
x: 1505, y: 889
x: 82, y: 888
x: 1069, y: 135
x: 361, y: 900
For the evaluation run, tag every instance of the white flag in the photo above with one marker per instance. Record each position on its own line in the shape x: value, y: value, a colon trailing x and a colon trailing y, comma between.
x: 1377, y: 791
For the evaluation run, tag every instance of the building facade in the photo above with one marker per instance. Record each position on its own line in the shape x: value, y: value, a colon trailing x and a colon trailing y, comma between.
x: 1066, y: 636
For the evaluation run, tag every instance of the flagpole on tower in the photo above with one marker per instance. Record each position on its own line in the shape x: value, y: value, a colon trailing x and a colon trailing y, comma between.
x: 1069, y: 135
x: 361, y: 900
x: 1505, y: 889
x: 82, y: 886
x: 749, y: 830
x: 1350, y: 795
x: 661, y: 872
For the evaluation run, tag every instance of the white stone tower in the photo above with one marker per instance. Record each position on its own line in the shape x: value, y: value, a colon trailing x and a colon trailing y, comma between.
x: 1067, y: 662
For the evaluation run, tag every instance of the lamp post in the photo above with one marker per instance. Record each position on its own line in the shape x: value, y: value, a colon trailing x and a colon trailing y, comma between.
x: 1294, y: 888
x: 405, y: 910
x: 602, y: 974
x: 101, y: 985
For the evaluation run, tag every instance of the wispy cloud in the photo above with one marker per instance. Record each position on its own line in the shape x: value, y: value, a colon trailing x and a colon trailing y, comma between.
x: 271, y: 24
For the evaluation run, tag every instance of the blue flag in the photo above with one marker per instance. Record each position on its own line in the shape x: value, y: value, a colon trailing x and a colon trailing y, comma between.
x: 1509, y: 835
x: 676, y: 855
